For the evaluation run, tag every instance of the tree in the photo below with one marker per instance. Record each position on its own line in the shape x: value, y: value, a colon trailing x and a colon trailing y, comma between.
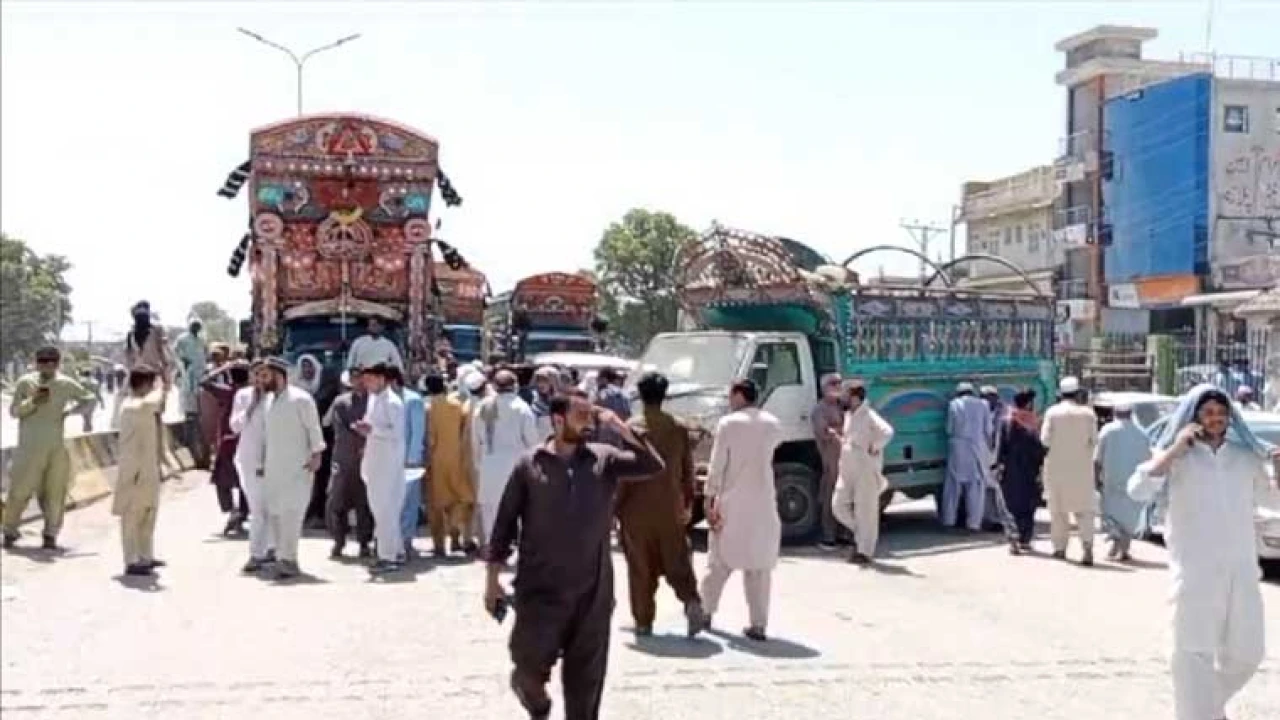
x: 218, y: 325
x: 35, y: 299
x: 635, y: 267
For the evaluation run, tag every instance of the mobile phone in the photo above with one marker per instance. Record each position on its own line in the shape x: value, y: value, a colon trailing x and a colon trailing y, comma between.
x: 500, y: 608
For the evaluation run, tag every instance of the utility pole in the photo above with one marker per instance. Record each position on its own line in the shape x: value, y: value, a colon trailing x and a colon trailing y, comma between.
x: 923, y: 235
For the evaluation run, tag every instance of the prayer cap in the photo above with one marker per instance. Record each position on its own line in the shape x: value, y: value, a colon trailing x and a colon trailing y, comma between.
x: 988, y: 390
x: 279, y: 364
x: 964, y: 387
x: 1069, y: 385
x: 474, y: 381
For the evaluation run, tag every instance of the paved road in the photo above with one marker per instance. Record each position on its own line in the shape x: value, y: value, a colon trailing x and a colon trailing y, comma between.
x: 951, y: 629
x: 75, y: 424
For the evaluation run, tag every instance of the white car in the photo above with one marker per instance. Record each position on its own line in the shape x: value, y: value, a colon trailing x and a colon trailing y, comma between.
x: 1147, y: 407
x: 1267, y: 427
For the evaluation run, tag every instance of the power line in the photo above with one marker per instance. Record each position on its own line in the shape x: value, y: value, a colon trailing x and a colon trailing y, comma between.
x: 923, y: 235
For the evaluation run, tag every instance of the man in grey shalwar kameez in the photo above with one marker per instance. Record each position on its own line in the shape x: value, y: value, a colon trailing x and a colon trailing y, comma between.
x: 1122, y: 447
x: 969, y: 429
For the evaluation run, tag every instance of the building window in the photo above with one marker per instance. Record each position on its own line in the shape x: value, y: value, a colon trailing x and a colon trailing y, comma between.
x: 1008, y: 236
x: 1033, y: 240
x: 1235, y: 118
x: 1017, y: 234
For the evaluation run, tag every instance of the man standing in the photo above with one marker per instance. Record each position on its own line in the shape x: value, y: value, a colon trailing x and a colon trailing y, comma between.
x: 862, y: 442
x: 1019, y: 459
x: 373, y: 349
x: 87, y: 409
x: 41, y: 466
x: 502, y: 429
x: 220, y: 388
x: 827, y: 417
x: 294, y: 448
x: 383, y: 464
x: 742, y: 508
x: 452, y: 495
x: 1210, y: 470
x: 1122, y: 447
x: 544, y: 386
x: 968, y: 458
x: 559, y: 503
x: 346, y: 492
x: 1070, y: 434
x: 654, y: 515
x: 248, y: 420
x: 415, y: 431
x: 146, y: 345
x: 193, y: 355
x: 136, y: 498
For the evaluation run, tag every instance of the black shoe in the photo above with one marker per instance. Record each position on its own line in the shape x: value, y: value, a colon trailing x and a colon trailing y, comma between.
x: 858, y: 558
x: 1087, y: 560
x: 1059, y: 554
x: 138, y: 570
x: 254, y: 565
x: 10, y: 539
x: 755, y: 633
x: 534, y: 700
x: 287, y: 570
x: 49, y: 543
x: 154, y: 563
x: 232, y: 526
x: 454, y: 545
x: 695, y: 619
x: 336, y: 552
x: 383, y: 567
x: 470, y: 547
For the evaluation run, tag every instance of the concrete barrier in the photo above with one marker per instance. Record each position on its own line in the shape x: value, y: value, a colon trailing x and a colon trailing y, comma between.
x: 93, y: 465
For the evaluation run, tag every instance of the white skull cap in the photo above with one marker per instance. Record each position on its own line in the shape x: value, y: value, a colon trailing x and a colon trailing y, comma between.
x: 1069, y: 384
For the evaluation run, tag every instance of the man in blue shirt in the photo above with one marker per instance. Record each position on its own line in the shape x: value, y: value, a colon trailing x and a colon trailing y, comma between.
x: 415, y: 434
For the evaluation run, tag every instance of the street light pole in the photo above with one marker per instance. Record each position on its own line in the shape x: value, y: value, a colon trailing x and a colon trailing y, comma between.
x: 298, y: 62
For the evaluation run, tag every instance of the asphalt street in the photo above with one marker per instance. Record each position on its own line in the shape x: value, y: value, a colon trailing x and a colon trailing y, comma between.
x: 947, y: 627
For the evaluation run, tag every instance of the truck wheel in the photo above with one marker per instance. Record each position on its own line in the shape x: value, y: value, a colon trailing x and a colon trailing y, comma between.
x: 798, y: 509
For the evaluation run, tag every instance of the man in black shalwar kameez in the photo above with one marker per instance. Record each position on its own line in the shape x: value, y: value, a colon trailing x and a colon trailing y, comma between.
x: 559, y: 503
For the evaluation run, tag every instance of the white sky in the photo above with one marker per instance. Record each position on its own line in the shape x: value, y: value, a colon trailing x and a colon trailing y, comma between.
x: 826, y: 122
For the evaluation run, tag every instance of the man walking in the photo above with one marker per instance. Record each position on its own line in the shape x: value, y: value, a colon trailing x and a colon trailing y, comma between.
x: 827, y: 417
x: 862, y: 441
x: 248, y: 420
x: 1018, y: 461
x: 968, y: 458
x: 346, y: 492
x: 559, y: 503
x: 383, y: 464
x: 1122, y: 447
x: 742, y: 508
x: 1210, y: 471
x: 654, y: 515
x: 502, y: 430
x: 294, y: 448
x: 1070, y: 434
x: 41, y: 466
x: 451, y: 492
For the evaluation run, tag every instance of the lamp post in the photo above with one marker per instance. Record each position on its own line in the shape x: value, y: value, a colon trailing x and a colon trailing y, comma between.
x: 298, y: 61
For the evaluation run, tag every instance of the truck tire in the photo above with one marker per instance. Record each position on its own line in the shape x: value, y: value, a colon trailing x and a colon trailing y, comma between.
x: 796, y: 485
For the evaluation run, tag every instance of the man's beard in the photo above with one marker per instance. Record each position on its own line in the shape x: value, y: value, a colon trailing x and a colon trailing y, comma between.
x: 573, y: 437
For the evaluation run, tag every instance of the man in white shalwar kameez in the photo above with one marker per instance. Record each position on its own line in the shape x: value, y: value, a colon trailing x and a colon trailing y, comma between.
x: 742, y: 507
x: 382, y: 465
x: 294, y: 448
x: 1209, y: 470
x: 969, y: 431
x: 862, y: 443
x: 249, y: 408
x: 1070, y: 435
x: 502, y: 429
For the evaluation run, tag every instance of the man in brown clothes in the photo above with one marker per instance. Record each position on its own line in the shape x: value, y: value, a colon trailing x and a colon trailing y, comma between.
x: 828, y: 419
x: 559, y: 503
x: 654, y: 515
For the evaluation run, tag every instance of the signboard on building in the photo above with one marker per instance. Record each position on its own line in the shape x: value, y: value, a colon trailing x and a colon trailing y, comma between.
x: 1080, y: 310
x: 1256, y: 271
x: 1124, y: 295
x: 1072, y: 236
x: 1167, y: 291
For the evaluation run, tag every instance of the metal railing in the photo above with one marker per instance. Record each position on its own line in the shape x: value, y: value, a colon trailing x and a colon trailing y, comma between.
x: 1069, y: 217
x: 1236, y: 67
x: 1019, y: 191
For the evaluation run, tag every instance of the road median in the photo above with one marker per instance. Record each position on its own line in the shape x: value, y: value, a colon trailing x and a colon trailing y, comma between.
x: 93, y: 466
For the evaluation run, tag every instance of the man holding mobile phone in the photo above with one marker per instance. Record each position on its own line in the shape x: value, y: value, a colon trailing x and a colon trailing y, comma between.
x: 41, y: 466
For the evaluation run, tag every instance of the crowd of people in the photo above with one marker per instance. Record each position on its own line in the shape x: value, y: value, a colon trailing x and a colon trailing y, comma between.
x: 549, y: 472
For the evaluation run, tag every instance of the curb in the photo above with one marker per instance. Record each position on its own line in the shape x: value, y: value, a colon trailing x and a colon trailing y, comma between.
x: 93, y: 465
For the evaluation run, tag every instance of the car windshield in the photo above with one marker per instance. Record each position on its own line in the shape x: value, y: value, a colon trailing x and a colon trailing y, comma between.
x: 701, y: 360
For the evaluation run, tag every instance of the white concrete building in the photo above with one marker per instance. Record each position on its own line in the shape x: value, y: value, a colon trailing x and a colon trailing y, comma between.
x: 1012, y: 218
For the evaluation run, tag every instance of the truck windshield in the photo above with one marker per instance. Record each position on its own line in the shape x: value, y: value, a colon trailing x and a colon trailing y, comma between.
x: 465, y: 340
x: 556, y: 342
x: 702, y: 360
x: 323, y: 338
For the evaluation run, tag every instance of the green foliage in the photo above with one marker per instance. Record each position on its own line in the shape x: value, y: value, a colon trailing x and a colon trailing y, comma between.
x: 635, y: 266
x: 218, y: 325
x: 35, y: 299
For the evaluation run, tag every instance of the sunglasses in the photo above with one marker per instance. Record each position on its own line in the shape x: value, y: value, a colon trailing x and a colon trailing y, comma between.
x: 46, y: 361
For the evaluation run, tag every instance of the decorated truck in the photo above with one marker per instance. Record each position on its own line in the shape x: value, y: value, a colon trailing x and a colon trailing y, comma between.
x: 774, y: 311
x: 340, y: 233
x: 550, y: 312
x: 462, y: 295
